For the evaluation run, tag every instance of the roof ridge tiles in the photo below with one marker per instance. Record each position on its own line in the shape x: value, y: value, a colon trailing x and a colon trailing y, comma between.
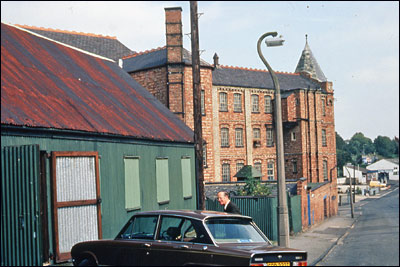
x: 145, y: 52
x: 28, y: 27
x: 255, y: 69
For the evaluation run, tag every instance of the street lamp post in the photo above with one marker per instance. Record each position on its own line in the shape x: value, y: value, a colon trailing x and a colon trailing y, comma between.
x: 283, y: 218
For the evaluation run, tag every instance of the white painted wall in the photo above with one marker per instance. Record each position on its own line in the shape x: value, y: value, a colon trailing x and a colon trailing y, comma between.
x: 348, y: 172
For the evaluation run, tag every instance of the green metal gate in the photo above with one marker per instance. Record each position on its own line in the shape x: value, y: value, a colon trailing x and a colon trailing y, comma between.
x: 264, y: 212
x: 294, y: 207
x: 20, y: 206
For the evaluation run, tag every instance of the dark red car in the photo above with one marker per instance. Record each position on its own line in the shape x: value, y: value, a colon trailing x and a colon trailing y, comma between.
x: 177, y: 237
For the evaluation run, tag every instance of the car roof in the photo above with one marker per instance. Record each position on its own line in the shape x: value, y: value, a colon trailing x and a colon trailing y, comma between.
x: 195, y: 214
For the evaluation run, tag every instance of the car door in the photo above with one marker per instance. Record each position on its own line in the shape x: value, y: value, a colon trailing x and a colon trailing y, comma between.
x: 176, y: 243
x: 201, y: 251
x: 134, y: 242
x: 169, y: 249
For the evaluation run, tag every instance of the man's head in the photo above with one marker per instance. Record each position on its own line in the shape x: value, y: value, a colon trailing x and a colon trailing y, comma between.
x: 223, y: 197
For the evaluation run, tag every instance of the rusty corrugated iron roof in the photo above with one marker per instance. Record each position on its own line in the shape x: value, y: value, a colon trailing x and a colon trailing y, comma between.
x: 46, y: 84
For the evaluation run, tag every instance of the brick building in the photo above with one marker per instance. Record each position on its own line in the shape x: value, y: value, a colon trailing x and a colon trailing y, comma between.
x: 237, y: 108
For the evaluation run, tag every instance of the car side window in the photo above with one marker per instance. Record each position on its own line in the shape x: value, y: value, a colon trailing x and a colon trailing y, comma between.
x: 171, y: 228
x: 141, y: 227
x: 189, y: 233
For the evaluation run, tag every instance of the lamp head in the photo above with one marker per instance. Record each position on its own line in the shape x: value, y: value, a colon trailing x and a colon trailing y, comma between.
x: 274, y: 41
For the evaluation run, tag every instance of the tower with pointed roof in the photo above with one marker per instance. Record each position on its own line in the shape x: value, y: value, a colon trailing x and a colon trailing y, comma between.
x: 308, y: 64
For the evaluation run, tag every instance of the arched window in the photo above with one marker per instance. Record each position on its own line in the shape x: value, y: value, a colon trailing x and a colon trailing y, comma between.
x: 239, y: 137
x: 203, y: 109
x: 223, y: 101
x: 237, y: 102
x: 270, y: 170
x: 254, y: 103
x: 323, y: 137
x: 224, y: 137
x: 226, y: 172
x: 270, y: 136
x: 267, y: 104
x: 325, y: 169
x: 258, y: 166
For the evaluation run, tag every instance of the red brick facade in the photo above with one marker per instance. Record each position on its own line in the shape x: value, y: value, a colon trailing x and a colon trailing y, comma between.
x: 305, y: 123
x: 308, y: 120
x: 322, y: 202
x: 154, y: 80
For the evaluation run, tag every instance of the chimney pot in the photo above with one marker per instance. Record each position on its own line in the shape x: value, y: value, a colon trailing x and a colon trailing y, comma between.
x: 216, y: 61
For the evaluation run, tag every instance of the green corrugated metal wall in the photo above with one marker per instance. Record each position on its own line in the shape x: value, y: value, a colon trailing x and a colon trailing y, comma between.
x: 112, y: 173
x: 20, y: 206
x: 263, y: 210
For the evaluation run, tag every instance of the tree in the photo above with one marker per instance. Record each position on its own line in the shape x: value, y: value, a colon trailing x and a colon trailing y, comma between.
x: 396, y: 147
x: 254, y: 187
x: 343, y: 156
x: 385, y: 147
x: 340, y: 143
x: 362, y: 145
x: 359, y: 145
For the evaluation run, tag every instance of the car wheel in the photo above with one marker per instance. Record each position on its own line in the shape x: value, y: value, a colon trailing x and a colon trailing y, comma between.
x: 87, y: 262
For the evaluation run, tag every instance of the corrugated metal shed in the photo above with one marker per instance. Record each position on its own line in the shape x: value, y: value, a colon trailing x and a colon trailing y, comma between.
x: 45, y: 84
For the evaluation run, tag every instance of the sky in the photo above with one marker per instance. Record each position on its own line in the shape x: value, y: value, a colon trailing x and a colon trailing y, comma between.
x: 355, y: 43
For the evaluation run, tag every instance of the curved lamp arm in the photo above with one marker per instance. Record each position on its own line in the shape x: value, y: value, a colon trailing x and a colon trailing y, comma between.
x: 271, y: 71
x: 283, y: 216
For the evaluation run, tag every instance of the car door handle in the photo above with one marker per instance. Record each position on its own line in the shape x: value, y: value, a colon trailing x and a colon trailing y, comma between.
x: 146, y: 245
x: 184, y: 247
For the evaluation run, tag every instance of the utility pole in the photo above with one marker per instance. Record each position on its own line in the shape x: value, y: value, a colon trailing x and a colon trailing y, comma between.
x: 354, y: 186
x: 198, y: 136
x: 351, y: 195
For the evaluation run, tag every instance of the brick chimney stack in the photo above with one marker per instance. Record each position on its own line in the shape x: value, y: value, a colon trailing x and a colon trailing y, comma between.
x: 173, y: 24
x: 175, y: 65
x: 216, y: 61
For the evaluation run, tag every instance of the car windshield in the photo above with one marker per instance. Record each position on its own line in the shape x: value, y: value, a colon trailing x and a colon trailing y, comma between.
x: 233, y: 230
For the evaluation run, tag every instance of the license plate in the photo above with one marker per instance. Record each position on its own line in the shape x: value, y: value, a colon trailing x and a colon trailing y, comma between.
x: 283, y: 263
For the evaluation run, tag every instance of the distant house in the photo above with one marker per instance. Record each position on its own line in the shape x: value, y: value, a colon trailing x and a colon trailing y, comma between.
x: 388, y: 169
x: 367, y: 159
x: 84, y: 147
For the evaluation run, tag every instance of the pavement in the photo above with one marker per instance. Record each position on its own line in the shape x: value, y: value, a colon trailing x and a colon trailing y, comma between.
x: 318, y: 240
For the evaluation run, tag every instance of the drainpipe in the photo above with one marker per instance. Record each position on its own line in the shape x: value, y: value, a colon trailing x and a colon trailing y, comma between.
x: 309, y: 138
x: 316, y: 133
